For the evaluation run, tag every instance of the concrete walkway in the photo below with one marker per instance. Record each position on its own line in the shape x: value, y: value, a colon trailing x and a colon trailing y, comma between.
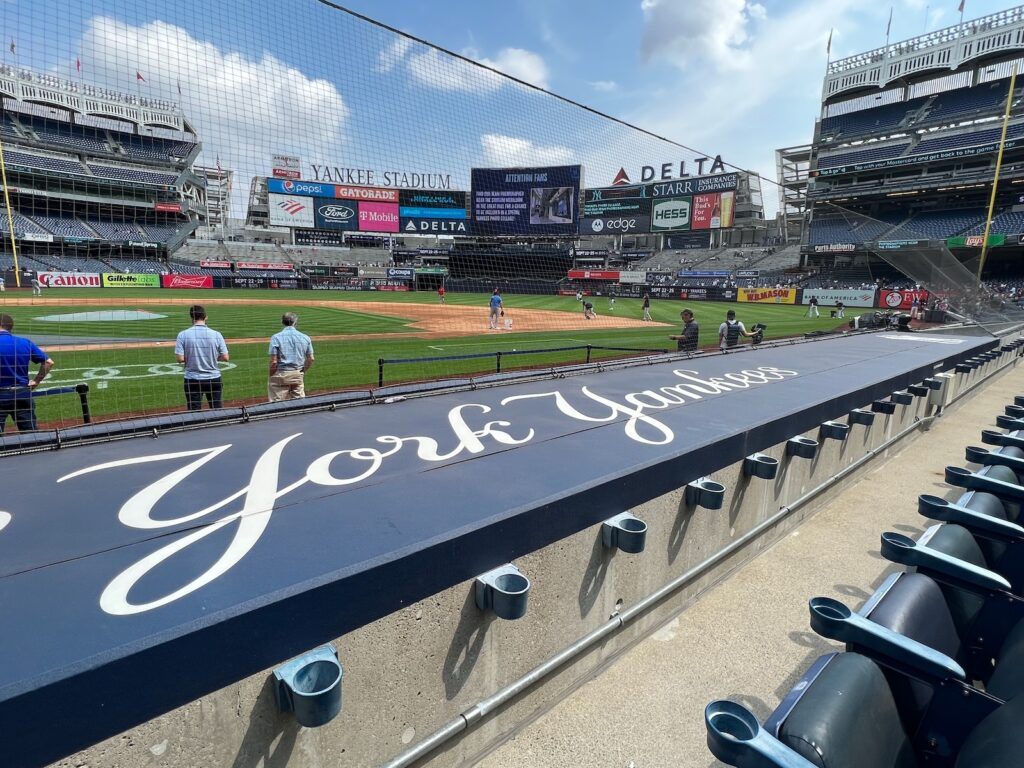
x: 748, y: 639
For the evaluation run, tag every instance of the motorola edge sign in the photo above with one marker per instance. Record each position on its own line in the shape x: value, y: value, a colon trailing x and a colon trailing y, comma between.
x: 615, y: 226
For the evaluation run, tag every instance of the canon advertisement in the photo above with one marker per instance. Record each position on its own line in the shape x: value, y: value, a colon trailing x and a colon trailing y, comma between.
x: 616, y: 210
x: 69, y: 279
x: 526, y: 201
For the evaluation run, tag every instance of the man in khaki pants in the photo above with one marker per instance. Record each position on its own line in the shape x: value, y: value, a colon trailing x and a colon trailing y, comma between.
x: 291, y: 355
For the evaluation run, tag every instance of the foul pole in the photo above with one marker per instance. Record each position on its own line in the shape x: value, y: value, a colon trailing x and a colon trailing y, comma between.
x: 999, y: 165
x: 10, y: 216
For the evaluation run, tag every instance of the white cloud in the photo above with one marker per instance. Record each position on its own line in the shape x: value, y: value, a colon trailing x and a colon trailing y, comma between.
x: 438, y: 70
x: 510, y: 151
x: 697, y: 31
x: 604, y: 86
x: 393, y: 54
x: 714, y: 108
x: 243, y: 109
x: 521, y: 64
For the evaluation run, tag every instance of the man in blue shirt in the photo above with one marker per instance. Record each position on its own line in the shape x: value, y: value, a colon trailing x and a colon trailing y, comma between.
x: 291, y: 355
x: 15, y: 386
x: 496, y: 307
x: 199, y: 348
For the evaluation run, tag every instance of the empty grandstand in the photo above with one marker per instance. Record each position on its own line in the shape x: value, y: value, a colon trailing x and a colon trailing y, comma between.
x: 96, y: 177
x: 905, y: 149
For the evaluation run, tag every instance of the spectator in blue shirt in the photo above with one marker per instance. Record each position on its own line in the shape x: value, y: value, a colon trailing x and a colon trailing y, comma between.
x: 15, y: 386
x: 291, y: 355
x: 199, y: 348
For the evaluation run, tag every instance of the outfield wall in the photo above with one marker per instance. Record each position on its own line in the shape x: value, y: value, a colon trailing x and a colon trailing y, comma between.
x: 419, y: 656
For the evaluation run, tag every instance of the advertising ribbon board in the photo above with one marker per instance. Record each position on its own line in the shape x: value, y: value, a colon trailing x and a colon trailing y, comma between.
x: 276, y: 266
x: 748, y: 273
x: 707, y: 294
x: 851, y: 298
x: 69, y: 279
x: 401, y: 273
x: 208, y: 264
x: 130, y: 280
x: 633, y: 276
x: 526, y: 201
x: 900, y: 299
x: 186, y: 281
x: 767, y: 295
x: 593, y: 274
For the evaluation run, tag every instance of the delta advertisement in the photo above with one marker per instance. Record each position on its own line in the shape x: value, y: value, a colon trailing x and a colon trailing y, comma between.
x: 901, y: 299
x: 130, y: 280
x: 69, y: 279
x: 186, y: 281
x: 526, y: 201
x: 851, y: 298
x: 767, y: 295
x: 432, y: 213
x: 616, y: 210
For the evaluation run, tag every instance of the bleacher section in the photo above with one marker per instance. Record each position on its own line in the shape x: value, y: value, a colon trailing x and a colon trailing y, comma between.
x: 116, y: 230
x: 970, y: 139
x: 131, y: 174
x: 64, y: 226
x: 45, y: 162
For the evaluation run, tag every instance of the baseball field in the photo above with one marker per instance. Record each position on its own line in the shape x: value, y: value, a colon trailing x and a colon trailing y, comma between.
x: 122, y: 344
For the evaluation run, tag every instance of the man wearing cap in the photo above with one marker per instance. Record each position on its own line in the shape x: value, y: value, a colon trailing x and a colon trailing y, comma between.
x: 291, y: 355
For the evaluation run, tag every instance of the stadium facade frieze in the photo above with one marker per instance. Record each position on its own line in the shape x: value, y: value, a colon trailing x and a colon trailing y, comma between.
x: 368, y: 177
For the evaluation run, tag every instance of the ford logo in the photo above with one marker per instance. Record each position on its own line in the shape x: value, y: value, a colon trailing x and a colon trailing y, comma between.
x: 337, y: 212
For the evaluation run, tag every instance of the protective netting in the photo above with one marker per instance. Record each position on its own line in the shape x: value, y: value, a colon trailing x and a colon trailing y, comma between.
x: 915, y: 271
x: 262, y: 157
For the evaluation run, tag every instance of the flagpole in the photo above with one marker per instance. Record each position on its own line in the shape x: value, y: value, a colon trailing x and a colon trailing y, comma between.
x: 995, y: 179
x: 888, y: 29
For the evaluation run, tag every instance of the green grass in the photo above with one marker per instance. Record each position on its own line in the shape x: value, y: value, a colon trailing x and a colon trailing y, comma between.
x: 124, y: 381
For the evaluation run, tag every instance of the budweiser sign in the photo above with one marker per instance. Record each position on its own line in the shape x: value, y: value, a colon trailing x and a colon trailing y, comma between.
x: 186, y: 281
x: 69, y: 279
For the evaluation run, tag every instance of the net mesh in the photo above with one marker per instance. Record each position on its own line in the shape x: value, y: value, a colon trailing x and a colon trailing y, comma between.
x: 263, y: 157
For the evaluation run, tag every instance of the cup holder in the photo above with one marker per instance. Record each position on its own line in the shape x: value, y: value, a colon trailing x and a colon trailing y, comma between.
x: 863, y: 417
x: 963, y: 368
x: 919, y: 390
x: 1014, y: 411
x: 902, y: 398
x: 625, y: 533
x: 834, y: 430
x: 706, y: 493
x: 934, y: 384
x: 802, y: 447
x: 887, y: 407
x: 310, y: 687
x: 761, y: 465
x: 1018, y: 400
x: 736, y: 738
x: 504, y: 590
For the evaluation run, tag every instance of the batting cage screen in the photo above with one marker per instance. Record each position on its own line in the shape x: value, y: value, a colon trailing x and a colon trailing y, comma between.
x: 259, y: 158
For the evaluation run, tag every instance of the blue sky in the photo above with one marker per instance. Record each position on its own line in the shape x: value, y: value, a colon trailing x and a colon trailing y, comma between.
x: 732, y: 77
